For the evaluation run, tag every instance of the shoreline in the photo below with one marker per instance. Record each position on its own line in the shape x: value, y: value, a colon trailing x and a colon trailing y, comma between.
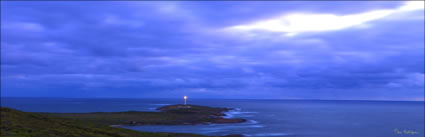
x: 115, y: 121
x: 167, y: 115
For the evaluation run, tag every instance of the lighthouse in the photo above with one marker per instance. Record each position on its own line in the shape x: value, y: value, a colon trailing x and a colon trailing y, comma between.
x: 185, y: 98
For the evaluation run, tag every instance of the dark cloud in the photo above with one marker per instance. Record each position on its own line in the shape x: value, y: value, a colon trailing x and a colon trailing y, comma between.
x: 157, y: 49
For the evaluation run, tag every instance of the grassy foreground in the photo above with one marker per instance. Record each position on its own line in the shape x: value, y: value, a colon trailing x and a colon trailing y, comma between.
x: 16, y: 123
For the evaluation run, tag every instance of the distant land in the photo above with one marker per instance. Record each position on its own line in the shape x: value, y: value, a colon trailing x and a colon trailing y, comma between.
x: 168, y: 115
x: 101, y: 124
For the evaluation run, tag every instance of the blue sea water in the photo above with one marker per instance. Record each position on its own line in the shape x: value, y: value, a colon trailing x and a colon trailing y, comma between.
x: 267, y: 118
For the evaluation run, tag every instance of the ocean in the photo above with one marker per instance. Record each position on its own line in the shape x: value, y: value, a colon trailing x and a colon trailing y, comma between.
x: 266, y: 118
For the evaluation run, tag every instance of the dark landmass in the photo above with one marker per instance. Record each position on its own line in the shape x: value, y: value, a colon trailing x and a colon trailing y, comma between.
x: 168, y: 115
x: 16, y: 123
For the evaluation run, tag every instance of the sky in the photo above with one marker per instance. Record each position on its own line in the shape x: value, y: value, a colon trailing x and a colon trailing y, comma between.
x: 346, y: 50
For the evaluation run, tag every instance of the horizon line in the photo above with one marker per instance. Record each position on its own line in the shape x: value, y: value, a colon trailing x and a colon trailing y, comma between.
x: 377, y: 100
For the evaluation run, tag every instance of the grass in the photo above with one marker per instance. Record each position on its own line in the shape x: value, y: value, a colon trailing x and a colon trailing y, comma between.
x: 16, y: 123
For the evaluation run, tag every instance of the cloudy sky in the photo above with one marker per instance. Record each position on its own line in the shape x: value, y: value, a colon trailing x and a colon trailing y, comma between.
x: 370, y: 50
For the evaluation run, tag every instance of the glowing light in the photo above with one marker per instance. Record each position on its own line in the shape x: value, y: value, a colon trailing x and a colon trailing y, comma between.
x: 300, y: 22
x: 295, y: 23
x: 412, y: 5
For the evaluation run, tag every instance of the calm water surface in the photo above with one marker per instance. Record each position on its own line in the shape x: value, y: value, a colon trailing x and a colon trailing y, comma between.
x: 268, y: 118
